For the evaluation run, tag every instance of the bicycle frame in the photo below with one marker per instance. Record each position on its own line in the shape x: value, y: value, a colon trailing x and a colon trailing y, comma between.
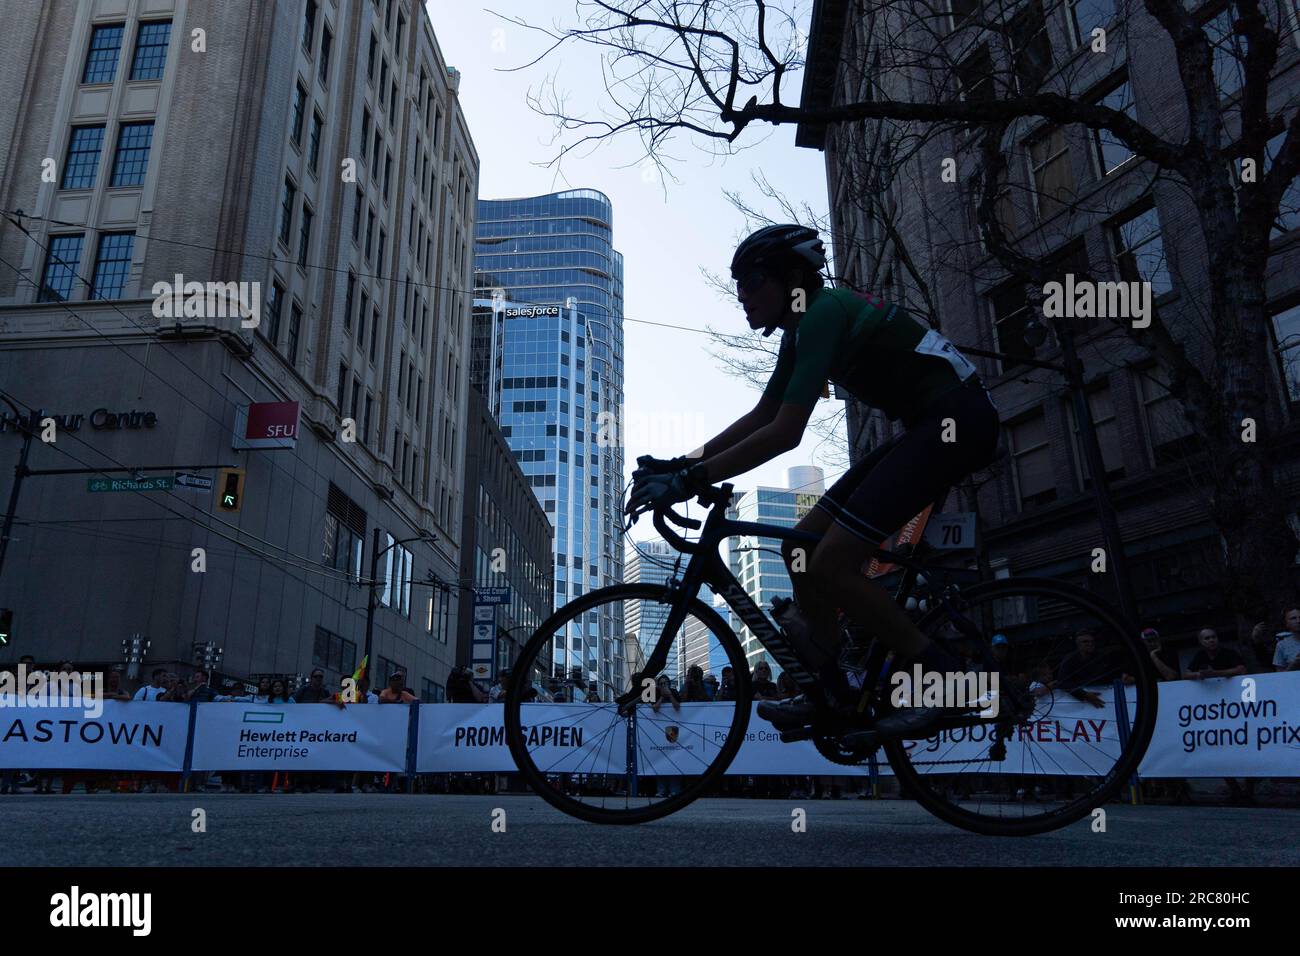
x: 706, y: 567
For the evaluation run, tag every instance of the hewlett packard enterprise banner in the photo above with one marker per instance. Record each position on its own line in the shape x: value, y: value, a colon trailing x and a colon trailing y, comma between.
x: 297, y: 737
x: 113, y: 735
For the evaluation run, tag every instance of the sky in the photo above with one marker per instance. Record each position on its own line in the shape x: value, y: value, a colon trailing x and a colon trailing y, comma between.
x: 677, y: 395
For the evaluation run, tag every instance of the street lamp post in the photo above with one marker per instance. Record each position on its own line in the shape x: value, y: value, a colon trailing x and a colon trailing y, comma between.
x: 28, y: 429
x: 373, y: 602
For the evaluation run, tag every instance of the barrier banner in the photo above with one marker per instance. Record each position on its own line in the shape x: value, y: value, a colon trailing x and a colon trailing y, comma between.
x: 125, y: 736
x: 565, y: 738
x: 589, y: 738
x: 1227, y: 727
x: 299, y: 737
x: 1067, y: 737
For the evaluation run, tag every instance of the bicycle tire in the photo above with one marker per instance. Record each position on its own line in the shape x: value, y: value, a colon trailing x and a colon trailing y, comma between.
x: 541, y: 641
x: 913, y: 781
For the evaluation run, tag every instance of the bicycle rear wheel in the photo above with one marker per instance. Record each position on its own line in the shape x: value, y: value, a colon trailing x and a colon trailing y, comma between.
x: 606, y: 763
x: 1065, y: 749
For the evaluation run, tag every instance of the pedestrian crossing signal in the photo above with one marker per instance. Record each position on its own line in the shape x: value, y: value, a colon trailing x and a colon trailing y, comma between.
x: 230, y: 489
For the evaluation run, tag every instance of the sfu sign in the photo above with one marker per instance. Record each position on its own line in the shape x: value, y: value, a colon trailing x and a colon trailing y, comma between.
x: 267, y: 425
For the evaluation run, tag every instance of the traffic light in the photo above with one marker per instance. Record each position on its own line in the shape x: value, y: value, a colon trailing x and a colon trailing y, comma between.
x: 6, y: 625
x: 230, y: 489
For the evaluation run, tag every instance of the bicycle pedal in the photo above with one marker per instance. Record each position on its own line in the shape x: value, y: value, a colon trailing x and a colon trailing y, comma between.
x: 796, y: 733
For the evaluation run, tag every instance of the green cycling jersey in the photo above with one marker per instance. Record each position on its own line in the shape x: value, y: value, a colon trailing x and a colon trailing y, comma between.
x: 869, y: 347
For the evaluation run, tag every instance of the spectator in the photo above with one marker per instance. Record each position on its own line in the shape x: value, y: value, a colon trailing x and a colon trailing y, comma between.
x: 314, y: 691
x: 1258, y: 650
x: 396, y: 692
x: 764, y: 687
x: 263, y: 692
x: 279, y: 692
x: 200, y: 691
x: 1286, y: 656
x: 1007, y: 660
x: 1163, y: 659
x: 497, y: 693
x: 711, y: 685
x: 175, y: 689
x: 693, y: 689
x: 664, y: 691
x: 1085, y: 665
x: 113, y: 686
x: 156, y: 689
x: 786, y: 687
x: 463, y: 689
x: 727, y: 689
x: 1212, y: 660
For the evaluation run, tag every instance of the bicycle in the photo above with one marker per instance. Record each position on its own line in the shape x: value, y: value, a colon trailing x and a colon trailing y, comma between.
x: 612, y: 763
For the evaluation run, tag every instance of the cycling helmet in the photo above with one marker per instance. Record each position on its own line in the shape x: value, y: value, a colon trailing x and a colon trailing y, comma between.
x: 775, y: 244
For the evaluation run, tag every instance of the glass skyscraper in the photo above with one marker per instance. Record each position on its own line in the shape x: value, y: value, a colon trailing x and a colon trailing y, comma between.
x: 548, y: 354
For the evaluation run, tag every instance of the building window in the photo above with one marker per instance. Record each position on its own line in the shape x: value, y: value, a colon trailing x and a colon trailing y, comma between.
x: 365, y: 429
x: 309, y: 26
x: 1031, y: 50
x: 356, y: 215
x: 112, y: 265
x: 1031, y: 457
x: 361, y: 319
x: 370, y: 233
x: 365, y: 132
x: 326, y: 44
x: 1110, y: 151
x: 273, y: 308
x: 84, y: 147
x: 299, y: 113
x: 345, y: 528
x: 1101, y: 404
x: 335, y: 653
x: 1049, y: 160
x: 975, y: 75
x: 295, y: 329
x: 432, y: 693
x: 1288, y: 211
x: 1229, y: 52
x: 1089, y: 15
x: 343, y: 387
x: 1169, y: 434
x: 348, y: 301
x: 61, y: 263
x: 313, y: 143
x: 374, y: 333
x: 286, y: 211
x: 1140, y: 250
x: 370, y: 59
x: 132, y: 158
x: 151, y: 50
x: 1286, y: 331
x: 304, y: 235
x: 1010, y: 316
x: 101, y: 58
x: 388, y: 173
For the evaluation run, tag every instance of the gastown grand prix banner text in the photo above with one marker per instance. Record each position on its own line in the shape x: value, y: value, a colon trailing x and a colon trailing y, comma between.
x: 1239, y: 726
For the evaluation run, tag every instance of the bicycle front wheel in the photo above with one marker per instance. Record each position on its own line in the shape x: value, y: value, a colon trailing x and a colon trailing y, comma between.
x: 1076, y: 710
x: 608, y: 763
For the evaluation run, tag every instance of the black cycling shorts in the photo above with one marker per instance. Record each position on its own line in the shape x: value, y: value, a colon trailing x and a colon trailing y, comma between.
x: 894, y: 483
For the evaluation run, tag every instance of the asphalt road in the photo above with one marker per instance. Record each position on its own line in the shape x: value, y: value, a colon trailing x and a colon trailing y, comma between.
x: 311, y: 829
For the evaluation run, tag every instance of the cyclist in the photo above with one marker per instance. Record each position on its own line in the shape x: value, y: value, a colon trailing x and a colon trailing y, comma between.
x: 881, y: 355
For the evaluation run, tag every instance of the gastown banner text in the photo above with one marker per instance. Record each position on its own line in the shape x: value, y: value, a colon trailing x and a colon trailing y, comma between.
x: 1237, y: 726
x: 126, y: 736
